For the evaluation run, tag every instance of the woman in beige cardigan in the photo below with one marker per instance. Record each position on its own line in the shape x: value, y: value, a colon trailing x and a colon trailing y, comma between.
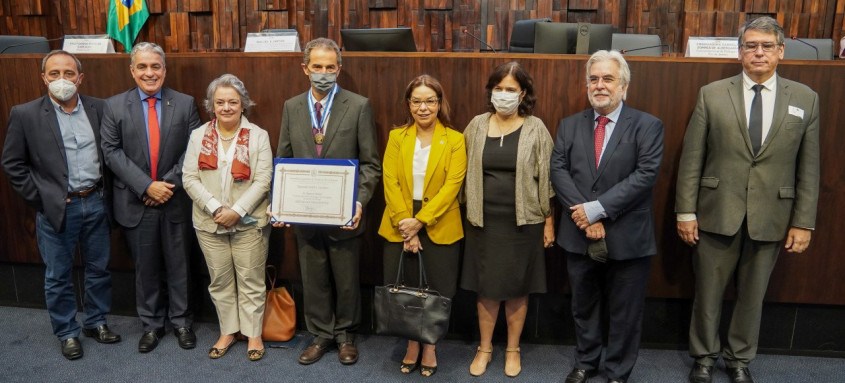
x: 508, y: 210
x: 226, y: 172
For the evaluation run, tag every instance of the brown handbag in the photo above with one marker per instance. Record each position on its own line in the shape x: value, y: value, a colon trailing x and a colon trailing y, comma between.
x: 279, y: 312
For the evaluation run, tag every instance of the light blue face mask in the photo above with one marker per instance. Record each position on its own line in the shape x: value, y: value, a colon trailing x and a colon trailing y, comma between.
x: 505, y: 102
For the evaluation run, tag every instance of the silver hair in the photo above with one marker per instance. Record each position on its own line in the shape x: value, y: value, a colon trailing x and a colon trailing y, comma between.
x: 60, y: 52
x: 763, y: 24
x: 229, y: 81
x: 603, y: 55
x: 146, y: 47
x: 322, y: 43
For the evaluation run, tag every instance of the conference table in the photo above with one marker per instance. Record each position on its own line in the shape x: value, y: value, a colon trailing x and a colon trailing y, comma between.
x: 663, y: 86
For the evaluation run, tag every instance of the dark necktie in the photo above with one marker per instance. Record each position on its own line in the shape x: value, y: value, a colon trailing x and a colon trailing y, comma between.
x: 152, y: 126
x: 318, y: 130
x: 755, y: 122
x: 598, y: 137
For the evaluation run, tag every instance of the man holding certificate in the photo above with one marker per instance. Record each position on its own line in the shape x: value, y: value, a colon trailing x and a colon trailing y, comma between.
x: 328, y: 122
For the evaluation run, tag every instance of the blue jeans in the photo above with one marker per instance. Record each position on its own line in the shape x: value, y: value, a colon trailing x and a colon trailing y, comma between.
x: 86, y: 225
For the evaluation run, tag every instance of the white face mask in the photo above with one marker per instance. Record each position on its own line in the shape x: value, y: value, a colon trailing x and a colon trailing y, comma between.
x: 62, y: 89
x: 505, y: 102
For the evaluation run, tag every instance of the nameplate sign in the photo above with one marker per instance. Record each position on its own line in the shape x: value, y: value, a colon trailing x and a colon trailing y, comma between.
x: 272, y: 42
x: 88, y: 44
x: 713, y: 47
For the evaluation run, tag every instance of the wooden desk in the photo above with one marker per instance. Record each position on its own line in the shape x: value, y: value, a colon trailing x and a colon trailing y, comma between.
x: 665, y: 87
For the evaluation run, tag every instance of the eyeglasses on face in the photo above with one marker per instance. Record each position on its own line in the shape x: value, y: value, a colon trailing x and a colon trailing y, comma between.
x: 431, y: 102
x: 752, y: 46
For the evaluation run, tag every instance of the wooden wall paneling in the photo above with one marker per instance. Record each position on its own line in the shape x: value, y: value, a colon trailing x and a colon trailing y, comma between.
x: 382, y: 4
x: 154, y: 6
x: 202, y: 32
x: 29, y: 7
x: 437, y: 28
x: 354, y: 15
x: 272, y: 5
x: 728, y: 23
x: 437, y: 4
x: 219, y: 25
x: 384, y: 18
x: 198, y: 5
x: 498, y: 25
x: 581, y: 5
x: 178, y: 35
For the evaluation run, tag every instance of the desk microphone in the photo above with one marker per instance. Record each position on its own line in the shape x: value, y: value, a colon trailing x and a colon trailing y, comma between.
x: 667, y: 46
x: 811, y: 46
x: 30, y: 43
x: 466, y: 31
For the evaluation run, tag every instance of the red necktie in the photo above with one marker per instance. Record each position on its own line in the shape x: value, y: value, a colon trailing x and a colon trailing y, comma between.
x: 152, y: 125
x: 318, y: 109
x: 598, y: 137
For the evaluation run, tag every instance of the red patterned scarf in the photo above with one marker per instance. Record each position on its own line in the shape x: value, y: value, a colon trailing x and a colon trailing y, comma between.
x: 208, y: 152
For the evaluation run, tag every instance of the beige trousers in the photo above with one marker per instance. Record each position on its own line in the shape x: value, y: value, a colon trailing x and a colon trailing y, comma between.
x: 236, y: 264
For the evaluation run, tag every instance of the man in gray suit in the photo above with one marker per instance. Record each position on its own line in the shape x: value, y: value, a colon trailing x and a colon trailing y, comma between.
x: 53, y: 160
x: 603, y: 168
x: 329, y: 122
x: 145, y: 133
x: 748, y: 178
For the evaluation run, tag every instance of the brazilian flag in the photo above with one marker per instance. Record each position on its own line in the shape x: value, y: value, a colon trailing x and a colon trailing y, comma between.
x: 126, y: 17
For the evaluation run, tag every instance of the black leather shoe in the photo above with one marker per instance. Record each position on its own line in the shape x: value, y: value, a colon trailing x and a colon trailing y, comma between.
x: 186, y: 336
x: 578, y: 375
x: 71, y: 348
x: 615, y: 381
x: 149, y: 341
x: 313, y: 353
x: 348, y: 353
x: 701, y: 374
x: 740, y: 375
x: 101, y: 334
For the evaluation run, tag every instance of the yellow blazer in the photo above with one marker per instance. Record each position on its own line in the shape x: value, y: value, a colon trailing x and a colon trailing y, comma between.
x: 444, y: 175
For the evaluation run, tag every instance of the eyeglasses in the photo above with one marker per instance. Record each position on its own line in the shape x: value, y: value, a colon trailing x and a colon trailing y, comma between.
x: 431, y: 102
x: 752, y: 46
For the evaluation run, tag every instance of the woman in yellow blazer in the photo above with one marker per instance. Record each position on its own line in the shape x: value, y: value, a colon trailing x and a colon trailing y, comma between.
x: 423, y: 169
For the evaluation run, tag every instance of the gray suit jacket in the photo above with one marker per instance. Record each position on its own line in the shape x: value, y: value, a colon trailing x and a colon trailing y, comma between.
x: 720, y: 179
x: 34, y: 155
x: 126, y: 152
x: 622, y: 183
x: 350, y: 134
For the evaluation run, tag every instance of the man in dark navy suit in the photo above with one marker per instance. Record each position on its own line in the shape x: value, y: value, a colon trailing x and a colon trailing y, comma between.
x: 603, y: 168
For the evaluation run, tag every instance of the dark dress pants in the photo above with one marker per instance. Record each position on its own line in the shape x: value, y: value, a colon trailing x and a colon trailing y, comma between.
x: 160, y: 251
x: 331, y: 289
x: 86, y: 226
x: 621, y: 286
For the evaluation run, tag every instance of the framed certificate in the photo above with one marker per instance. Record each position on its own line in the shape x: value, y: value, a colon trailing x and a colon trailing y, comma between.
x: 314, y: 191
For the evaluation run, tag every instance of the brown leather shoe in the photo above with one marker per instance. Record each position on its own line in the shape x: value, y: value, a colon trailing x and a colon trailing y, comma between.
x: 347, y: 353
x: 313, y: 353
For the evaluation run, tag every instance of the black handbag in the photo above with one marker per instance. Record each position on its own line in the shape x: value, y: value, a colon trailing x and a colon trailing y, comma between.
x: 415, y: 313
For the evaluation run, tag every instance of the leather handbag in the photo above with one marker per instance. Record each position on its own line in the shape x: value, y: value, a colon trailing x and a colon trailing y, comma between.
x: 415, y: 313
x: 279, y: 312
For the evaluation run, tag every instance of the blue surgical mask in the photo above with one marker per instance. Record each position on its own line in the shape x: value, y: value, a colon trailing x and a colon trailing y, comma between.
x: 505, y: 102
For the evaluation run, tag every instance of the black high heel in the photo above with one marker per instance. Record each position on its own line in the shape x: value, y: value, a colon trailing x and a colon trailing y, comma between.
x: 407, y: 368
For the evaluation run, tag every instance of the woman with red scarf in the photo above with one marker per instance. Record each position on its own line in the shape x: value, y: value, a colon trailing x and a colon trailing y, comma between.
x: 226, y: 172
